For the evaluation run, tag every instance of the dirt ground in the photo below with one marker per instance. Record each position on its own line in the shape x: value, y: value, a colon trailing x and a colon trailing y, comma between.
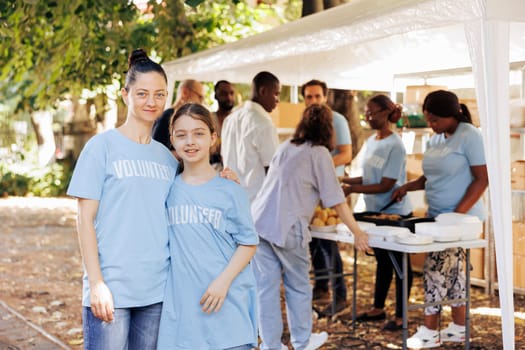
x: 40, y: 278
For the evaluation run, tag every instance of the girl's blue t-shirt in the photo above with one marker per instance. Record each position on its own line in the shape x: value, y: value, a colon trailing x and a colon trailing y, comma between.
x: 131, y: 181
x: 446, y: 166
x: 385, y: 158
x: 206, y: 225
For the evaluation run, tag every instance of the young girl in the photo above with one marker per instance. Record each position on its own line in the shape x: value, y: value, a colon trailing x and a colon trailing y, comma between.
x: 454, y: 179
x: 384, y: 169
x: 121, y: 180
x: 301, y: 173
x: 210, y: 300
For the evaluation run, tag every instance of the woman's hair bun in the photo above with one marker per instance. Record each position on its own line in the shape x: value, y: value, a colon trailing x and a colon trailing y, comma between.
x: 396, y: 114
x: 138, y: 55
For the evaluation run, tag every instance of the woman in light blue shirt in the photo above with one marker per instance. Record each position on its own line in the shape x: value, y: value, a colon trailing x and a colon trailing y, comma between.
x: 384, y: 170
x: 454, y: 179
x: 121, y: 180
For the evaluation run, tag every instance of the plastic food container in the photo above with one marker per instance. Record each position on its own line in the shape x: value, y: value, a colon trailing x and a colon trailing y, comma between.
x: 438, y: 231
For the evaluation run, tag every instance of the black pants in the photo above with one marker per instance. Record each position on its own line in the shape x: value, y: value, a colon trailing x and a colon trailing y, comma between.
x: 384, y: 271
x: 321, y: 251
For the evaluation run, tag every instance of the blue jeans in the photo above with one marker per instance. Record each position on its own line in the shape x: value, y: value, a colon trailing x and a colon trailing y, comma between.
x: 292, y: 264
x: 133, y: 328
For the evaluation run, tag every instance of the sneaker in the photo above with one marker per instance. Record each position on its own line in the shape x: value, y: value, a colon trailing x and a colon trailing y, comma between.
x: 316, y: 340
x: 453, y: 333
x: 424, y: 338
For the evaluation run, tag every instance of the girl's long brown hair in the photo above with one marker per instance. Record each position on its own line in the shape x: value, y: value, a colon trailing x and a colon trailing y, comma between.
x: 315, y: 127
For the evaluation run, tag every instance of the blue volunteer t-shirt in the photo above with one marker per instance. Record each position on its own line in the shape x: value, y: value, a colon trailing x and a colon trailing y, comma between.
x: 446, y: 166
x: 131, y: 181
x: 206, y: 225
x: 342, y: 137
x: 385, y: 158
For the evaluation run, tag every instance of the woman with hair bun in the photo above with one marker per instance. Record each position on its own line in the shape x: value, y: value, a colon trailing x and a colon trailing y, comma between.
x: 454, y: 179
x: 121, y: 180
x: 384, y: 170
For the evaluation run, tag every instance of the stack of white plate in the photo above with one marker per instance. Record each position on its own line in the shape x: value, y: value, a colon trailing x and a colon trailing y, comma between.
x: 438, y: 231
x: 413, y: 239
x: 385, y: 233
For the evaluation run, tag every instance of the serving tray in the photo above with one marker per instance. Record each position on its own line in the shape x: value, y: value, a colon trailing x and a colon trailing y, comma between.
x: 405, y: 221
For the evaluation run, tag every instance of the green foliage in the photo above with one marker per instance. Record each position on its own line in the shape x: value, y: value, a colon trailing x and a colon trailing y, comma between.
x: 51, y: 181
x: 194, y: 3
x: 12, y: 183
x: 207, y: 24
x: 52, y: 48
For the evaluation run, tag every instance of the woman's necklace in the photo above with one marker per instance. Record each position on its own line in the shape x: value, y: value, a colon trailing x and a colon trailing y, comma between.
x: 381, y: 136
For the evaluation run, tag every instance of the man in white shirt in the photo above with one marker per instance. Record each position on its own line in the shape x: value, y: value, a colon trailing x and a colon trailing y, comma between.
x: 315, y: 92
x: 225, y: 97
x: 249, y: 138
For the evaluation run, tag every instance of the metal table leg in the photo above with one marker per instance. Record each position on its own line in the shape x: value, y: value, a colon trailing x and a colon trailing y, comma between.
x: 354, y: 295
x: 402, y: 275
x: 467, y: 303
x: 405, y: 300
x: 331, y: 276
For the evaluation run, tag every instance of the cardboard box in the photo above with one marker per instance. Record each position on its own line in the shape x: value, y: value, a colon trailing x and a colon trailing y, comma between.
x: 415, y: 94
x: 477, y: 261
x: 517, y: 168
x: 518, y: 237
x: 519, y: 271
x: 414, y: 166
x: 418, y: 261
x: 287, y: 114
x: 517, y: 183
x: 517, y: 175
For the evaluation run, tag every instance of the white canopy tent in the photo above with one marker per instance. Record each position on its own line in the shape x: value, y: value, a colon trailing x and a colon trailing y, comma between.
x: 366, y: 44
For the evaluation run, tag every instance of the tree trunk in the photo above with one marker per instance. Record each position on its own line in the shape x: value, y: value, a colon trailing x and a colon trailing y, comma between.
x: 312, y: 6
x: 42, y: 122
x: 344, y: 102
x: 331, y: 3
x: 79, y: 127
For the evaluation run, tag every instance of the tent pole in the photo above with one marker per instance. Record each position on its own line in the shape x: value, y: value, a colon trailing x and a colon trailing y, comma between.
x: 522, y: 87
